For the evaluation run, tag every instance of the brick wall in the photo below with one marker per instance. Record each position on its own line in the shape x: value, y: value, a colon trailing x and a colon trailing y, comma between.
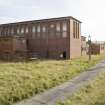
x: 75, y: 44
x: 49, y: 44
x: 6, y: 45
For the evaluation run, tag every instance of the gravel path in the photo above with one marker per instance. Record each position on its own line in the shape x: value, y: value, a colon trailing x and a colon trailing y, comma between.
x: 60, y: 93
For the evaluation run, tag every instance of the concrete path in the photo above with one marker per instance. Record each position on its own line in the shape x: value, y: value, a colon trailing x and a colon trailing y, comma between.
x: 60, y: 93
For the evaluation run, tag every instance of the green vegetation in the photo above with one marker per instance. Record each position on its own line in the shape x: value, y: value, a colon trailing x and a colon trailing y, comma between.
x: 92, y: 94
x: 23, y: 79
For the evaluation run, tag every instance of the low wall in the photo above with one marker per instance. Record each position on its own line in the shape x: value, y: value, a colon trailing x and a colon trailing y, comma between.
x: 13, y: 56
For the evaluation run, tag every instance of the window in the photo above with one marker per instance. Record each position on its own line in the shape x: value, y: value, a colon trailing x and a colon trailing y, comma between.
x: 75, y: 30
x: 64, y: 27
x: 12, y: 31
x: 4, y: 32
x: 33, y: 29
x: 51, y: 30
x: 78, y: 31
x: 18, y: 30
x: 58, y: 28
x: 38, y: 31
x: 8, y: 31
x: 22, y: 30
x: 1, y: 31
x: 43, y: 29
x: 64, y: 34
x: 27, y: 30
x: 52, y: 26
x: 38, y: 28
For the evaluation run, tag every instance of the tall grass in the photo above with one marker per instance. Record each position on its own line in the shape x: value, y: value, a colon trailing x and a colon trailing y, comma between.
x: 24, y: 79
x: 92, y: 94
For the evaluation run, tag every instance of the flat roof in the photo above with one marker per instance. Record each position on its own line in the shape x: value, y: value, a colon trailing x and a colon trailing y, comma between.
x: 43, y: 20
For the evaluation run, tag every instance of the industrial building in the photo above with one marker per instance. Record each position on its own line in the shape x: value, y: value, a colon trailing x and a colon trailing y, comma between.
x: 53, y: 38
x: 97, y: 48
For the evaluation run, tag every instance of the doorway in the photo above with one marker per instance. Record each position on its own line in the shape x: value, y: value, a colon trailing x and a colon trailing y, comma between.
x: 27, y: 43
x: 64, y: 55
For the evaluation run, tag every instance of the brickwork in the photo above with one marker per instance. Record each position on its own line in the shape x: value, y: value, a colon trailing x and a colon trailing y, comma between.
x: 49, y: 38
x: 75, y: 43
x: 97, y: 48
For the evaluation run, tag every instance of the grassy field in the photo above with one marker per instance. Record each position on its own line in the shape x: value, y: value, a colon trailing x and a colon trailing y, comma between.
x: 92, y: 94
x: 23, y: 79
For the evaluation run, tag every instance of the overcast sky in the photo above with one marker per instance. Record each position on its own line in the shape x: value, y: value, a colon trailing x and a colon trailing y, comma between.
x: 90, y: 12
